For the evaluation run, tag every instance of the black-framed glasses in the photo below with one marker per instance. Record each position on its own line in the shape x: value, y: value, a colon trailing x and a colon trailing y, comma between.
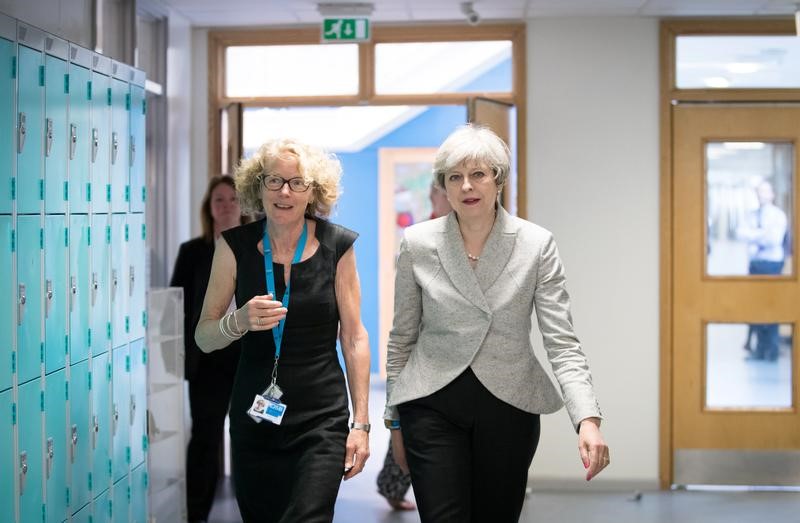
x: 276, y: 183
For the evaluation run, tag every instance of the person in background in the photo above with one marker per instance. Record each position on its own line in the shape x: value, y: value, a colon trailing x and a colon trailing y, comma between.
x: 294, y: 278
x: 393, y: 483
x: 210, y: 376
x: 464, y: 389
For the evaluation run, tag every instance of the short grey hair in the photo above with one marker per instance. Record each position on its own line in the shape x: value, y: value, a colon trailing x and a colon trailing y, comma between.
x: 472, y: 143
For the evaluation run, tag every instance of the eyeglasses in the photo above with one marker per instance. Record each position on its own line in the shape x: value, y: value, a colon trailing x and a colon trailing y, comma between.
x: 276, y: 183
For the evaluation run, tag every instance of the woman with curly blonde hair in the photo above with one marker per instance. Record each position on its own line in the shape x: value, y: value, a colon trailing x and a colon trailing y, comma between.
x: 293, y: 276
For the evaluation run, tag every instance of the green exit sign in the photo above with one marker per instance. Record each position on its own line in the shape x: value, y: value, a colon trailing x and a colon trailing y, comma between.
x: 345, y: 30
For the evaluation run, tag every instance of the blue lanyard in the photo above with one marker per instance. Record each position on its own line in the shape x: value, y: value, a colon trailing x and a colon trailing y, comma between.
x: 277, y: 332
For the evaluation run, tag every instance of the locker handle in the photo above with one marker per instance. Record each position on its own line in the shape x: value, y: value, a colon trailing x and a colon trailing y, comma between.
x: 73, y: 140
x: 116, y: 418
x: 49, y: 136
x: 132, y: 277
x: 95, y: 286
x: 132, y: 153
x: 74, y: 293
x: 49, y: 302
x: 21, y: 306
x: 22, y: 128
x: 95, y: 143
x: 50, y: 454
x: 114, y: 284
x: 95, y: 431
x: 74, y: 445
x: 132, y: 409
x: 23, y: 471
x: 114, y: 147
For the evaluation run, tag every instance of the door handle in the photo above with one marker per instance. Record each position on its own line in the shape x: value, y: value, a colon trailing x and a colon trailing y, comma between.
x: 23, y: 471
x: 116, y: 418
x: 73, y: 293
x: 95, y: 286
x: 50, y: 454
x: 49, y: 301
x: 22, y: 129
x: 49, y: 136
x: 95, y: 431
x: 21, y: 305
x: 114, y: 285
x: 132, y: 409
x: 132, y: 154
x: 132, y: 278
x: 73, y: 448
x: 73, y: 140
x: 114, y: 147
x: 95, y: 143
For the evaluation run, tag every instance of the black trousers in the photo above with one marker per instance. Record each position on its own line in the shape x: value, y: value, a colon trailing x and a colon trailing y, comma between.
x: 209, y: 398
x: 468, y: 453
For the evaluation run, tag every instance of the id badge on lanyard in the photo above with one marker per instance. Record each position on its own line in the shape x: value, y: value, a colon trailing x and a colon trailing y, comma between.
x: 267, y: 405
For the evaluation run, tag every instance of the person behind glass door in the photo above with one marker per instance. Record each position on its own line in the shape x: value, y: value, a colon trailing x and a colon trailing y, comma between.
x: 290, y: 469
x: 393, y: 482
x: 210, y: 376
x: 765, y: 231
x: 464, y: 389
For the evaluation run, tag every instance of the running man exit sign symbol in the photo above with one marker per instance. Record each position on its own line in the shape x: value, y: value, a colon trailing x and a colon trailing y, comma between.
x: 345, y: 30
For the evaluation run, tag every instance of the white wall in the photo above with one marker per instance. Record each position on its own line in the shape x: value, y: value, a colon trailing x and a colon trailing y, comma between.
x: 68, y: 19
x: 199, y: 160
x: 593, y: 170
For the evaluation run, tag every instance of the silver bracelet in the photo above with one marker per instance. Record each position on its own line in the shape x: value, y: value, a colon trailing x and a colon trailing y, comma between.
x: 225, y: 330
x: 236, y: 321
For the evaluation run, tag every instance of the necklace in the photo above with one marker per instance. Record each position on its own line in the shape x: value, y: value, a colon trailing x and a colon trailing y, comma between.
x: 472, y: 257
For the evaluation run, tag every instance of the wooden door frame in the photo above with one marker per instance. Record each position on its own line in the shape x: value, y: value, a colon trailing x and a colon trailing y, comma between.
x: 669, y: 31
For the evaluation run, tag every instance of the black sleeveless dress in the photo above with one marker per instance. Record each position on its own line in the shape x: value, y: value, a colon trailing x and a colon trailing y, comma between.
x: 291, y: 472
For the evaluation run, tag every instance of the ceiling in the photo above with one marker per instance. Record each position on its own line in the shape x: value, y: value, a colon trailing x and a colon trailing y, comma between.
x: 213, y: 13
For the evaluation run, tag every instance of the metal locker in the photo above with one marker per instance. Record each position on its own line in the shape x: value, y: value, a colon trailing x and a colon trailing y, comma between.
x: 99, y: 289
x: 138, y: 402
x: 8, y: 119
x: 30, y: 345
x: 7, y: 303
x: 56, y: 292
x: 56, y: 447
x: 8, y: 414
x: 80, y: 129
x: 79, y: 435
x: 100, y: 140
x: 30, y: 404
x: 56, y: 133
x: 120, y: 136
x: 101, y: 512
x: 119, y: 279
x: 121, y: 411
x: 137, y: 234
x: 137, y: 143
x: 139, y: 481
x: 79, y: 294
x: 30, y: 120
x: 121, y: 506
x: 100, y: 423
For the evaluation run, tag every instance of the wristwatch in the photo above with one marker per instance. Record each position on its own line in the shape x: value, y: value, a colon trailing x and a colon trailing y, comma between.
x: 360, y: 426
x: 392, y: 424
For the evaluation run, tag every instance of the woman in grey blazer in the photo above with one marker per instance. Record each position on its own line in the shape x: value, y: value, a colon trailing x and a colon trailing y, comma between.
x: 464, y: 389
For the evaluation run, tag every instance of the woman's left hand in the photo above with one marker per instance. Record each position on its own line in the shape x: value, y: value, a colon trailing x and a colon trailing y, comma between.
x: 593, y: 450
x: 357, y: 452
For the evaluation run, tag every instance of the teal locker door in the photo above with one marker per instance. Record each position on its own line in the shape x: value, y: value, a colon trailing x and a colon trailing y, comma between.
x: 79, y: 435
x: 56, y: 292
x: 137, y: 247
x: 138, y: 401
x: 30, y: 346
x: 137, y: 147
x: 119, y: 280
x: 7, y: 304
x: 139, y: 494
x: 30, y: 448
x: 121, y: 507
x: 56, y: 134
x: 84, y: 515
x: 80, y: 136
x: 79, y: 294
x: 120, y: 136
x: 7, y: 419
x: 56, y: 446
x: 30, y: 120
x: 100, y: 142
x: 99, y: 288
x: 7, y: 121
x: 101, y: 423
x: 102, y: 508
x: 120, y: 411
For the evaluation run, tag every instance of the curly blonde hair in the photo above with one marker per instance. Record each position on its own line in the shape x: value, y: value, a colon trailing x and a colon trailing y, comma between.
x: 322, y: 170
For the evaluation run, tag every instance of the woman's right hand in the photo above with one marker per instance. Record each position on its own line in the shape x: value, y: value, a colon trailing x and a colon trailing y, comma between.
x: 399, y: 451
x: 261, y: 313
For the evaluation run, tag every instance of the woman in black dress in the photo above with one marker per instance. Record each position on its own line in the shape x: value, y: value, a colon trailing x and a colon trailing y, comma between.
x: 288, y: 460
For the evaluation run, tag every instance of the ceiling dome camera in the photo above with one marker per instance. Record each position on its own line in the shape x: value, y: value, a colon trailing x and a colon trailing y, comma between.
x: 473, y: 18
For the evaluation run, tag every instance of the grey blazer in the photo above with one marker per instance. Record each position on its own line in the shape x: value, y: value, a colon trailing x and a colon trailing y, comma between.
x: 448, y: 317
